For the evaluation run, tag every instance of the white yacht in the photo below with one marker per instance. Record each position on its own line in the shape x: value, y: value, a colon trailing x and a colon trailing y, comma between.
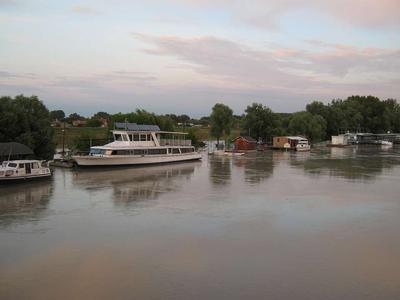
x: 18, y: 170
x: 138, y: 145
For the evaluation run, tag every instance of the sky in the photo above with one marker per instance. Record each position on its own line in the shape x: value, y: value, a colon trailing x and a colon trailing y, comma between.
x: 183, y: 56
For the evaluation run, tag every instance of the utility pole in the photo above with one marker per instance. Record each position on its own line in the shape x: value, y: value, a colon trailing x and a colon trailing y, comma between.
x: 63, y: 140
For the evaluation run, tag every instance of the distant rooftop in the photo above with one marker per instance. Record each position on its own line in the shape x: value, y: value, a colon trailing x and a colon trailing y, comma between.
x: 136, y: 127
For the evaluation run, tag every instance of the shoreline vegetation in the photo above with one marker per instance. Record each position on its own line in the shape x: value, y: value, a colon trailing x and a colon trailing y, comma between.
x: 27, y: 120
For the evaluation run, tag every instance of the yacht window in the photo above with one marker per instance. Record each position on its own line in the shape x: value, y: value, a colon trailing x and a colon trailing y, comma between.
x: 187, y: 150
x: 97, y: 151
x: 12, y: 165
x: 21, y: 166
x: 175, y: 151
x: 138, y: 152
x: 157, y: 151
x: 136, y: 137
x: 122, y: 152
x: 118, y: 137
x: 130, y: 137
x: 143, y: 137
x: 125, y: 138
x: 35, y: 165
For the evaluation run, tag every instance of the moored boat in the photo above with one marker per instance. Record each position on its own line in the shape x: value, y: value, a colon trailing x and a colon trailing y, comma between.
x: 386, y: 143
x: 303, y: 145
x: 139, y: 145
x: 21, y: 170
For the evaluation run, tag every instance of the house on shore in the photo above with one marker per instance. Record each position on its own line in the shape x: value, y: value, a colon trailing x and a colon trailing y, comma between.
x: 245, y: 143
x: 298, y: 143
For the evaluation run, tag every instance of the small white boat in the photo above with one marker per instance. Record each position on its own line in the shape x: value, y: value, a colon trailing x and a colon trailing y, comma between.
x: 17, y: 170
x: 303, y: 145
x: 386, y: 143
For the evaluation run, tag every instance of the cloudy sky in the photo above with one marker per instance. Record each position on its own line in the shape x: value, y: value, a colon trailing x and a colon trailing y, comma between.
x: 182, y: 56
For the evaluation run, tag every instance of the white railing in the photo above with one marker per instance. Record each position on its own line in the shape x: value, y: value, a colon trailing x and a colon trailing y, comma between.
x: 175, y: 142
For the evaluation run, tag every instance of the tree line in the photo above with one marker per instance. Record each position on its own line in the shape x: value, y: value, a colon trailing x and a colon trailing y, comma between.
x: 28, y: 121
x: 317, y: 122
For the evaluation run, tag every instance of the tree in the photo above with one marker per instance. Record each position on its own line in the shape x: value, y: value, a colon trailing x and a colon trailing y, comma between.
x: 309, y: 125
x: 102, y: 115
x: 141, y: 116
x: 183, y: 119
x: 74, y: 117
x: 221, y: 120
x: 57, y: 115
x: 26, y: 120
x: 93, y: 122
x: 259, y: 121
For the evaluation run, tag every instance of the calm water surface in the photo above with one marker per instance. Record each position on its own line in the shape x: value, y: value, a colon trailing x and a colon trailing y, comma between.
x: 272, y: 225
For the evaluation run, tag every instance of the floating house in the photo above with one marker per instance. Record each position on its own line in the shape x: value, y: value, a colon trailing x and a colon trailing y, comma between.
x: 244, y: 143
x: 297, y: 143
x: 349, y: 139
x: 343, y: 140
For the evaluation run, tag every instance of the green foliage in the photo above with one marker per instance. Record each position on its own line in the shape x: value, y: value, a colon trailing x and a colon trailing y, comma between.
x: 26, y: 120
x: 57, y: 115
x: 74, y: 117
x: 358, y: 113
x: 93, y: 122
x: 221, y: 120
x: 260, y: 122
x: 141, y: 116
x: 101, y: 115
x: 306, y: 124
x: 193, y: 137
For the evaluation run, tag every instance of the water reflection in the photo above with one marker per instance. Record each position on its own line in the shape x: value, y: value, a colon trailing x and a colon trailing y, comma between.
x: 130, y: 185
x: 220, y: 169
x: 24, y: 202
x: 356, y: 163
x: 257, y: 166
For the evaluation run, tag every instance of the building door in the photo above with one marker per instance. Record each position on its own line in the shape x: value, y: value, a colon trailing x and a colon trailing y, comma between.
x: 28, y: 168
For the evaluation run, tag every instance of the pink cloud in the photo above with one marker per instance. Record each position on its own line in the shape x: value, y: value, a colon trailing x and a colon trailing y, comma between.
x: 370, y: 13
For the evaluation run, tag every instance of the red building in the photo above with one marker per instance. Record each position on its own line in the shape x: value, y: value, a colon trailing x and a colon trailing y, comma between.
x: 245, y: 143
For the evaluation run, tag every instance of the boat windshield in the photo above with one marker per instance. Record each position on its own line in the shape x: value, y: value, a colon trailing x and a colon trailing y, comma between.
x: 97, y: 151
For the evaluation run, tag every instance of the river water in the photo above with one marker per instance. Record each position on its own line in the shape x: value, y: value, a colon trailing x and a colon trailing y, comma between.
x: 270, y: 225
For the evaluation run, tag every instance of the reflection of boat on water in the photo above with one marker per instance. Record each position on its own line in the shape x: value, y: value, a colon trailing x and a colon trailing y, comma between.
x: 233, y: 153
x: 349, y: 163
x: 136, y: 183
x: 22, y: 170
x: 25, y: 201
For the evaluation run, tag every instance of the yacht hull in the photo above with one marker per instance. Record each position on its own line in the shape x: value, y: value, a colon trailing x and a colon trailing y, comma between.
x: 91, y: 161
x: 25, y: 178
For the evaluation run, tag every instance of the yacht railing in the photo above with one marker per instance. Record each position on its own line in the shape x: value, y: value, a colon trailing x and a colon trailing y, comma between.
x: 175, y: 142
